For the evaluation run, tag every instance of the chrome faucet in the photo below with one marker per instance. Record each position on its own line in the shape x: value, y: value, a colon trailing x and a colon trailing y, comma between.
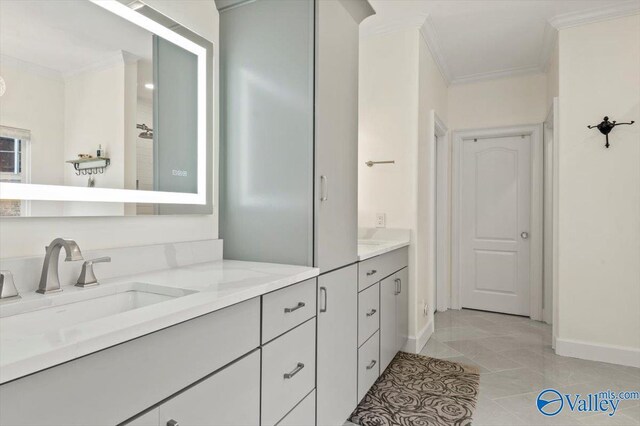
x: 49, y: 280
x: 8, y: 289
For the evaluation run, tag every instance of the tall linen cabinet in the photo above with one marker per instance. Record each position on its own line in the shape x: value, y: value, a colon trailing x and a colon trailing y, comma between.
x: 288, y: 161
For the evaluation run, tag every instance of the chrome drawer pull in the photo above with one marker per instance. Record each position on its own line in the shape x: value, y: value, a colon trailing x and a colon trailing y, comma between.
x: 323, y: 292
x: 298, y: 306
x: 172, y: 423
x: 295, y: 371
x: 371, y: 313
x: 371, y: 272
x: 372, y: 364
x: 398, y: 282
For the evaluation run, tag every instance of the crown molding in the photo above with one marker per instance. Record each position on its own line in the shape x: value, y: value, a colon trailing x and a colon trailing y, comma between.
x: 613, y: 11
x: 30, y: 67
x: 430, y: 37
x: 494, y: 75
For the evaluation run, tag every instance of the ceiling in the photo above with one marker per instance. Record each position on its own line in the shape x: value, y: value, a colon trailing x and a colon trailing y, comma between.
x: 482, y: 39
x: 67, y: 36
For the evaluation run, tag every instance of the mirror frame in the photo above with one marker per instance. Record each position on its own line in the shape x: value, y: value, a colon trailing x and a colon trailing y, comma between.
x: 27, y: 191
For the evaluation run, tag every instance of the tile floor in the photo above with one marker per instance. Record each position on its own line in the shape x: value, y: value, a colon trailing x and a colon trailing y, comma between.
x: 516, y: 362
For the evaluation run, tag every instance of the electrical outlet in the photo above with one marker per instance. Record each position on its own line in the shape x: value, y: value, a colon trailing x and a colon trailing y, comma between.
x: 381, y: 220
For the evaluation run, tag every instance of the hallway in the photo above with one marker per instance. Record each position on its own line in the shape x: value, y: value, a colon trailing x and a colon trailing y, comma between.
x: 516, y: 362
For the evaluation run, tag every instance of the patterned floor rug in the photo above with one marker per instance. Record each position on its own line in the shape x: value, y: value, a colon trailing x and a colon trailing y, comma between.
x: 416, y: 390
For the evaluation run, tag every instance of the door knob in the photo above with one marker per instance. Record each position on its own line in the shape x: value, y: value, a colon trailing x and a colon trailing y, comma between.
x: 524, y: 235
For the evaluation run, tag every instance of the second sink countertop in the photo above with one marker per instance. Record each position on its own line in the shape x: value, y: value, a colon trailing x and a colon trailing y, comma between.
x: 372, y: 248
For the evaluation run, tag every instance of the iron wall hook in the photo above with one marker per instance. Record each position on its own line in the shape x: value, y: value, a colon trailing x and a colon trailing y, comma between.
x: 606, y: 127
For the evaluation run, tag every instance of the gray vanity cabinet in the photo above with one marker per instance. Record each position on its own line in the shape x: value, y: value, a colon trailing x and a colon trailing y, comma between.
x: 394, y: 315
x: 230, y: 397
x: 289, y: 130
x: 336, y: 156
x: 337, y: 363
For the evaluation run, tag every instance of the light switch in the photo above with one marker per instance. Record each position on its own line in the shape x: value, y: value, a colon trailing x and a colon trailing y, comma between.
x: 381, y: 220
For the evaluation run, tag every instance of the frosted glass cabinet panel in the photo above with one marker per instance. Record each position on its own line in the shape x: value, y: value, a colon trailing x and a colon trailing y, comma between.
x: 266, y: 140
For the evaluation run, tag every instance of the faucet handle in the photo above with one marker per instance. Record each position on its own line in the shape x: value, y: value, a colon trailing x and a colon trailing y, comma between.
x: 7, y: 286
x: 87, y: 277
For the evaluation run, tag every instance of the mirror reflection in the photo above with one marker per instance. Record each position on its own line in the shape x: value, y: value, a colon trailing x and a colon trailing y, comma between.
x: 89, y: 99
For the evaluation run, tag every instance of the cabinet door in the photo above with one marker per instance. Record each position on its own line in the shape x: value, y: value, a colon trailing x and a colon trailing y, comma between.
x: 337, y: 363
x: 388, y: 321
x: 336, y: 158
x: 228, y: 398
x: 402, y: 308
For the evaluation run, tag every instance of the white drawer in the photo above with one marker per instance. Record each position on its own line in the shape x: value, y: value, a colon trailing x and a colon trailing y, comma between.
x: 372, y: 270
x: 368, y: 365
x: 286, y: 308
x: 288, y: 371
x: 368, y: 313
x: 304, y: 414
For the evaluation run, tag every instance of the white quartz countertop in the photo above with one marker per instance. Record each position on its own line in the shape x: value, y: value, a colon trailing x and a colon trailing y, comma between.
x: 217, y: 284
x: 371, y: 248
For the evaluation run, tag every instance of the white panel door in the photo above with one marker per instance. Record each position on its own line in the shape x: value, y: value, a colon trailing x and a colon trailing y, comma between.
x: 495, y: 216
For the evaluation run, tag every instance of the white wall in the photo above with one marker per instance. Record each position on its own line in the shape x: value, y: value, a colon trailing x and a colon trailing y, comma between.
x: 498, y: 103
x: 27, y: 236
x: 399, y: 85
x: 599, y: 191
x: 553, y: 70
x: 432, y: 92
x: 93, y: 121
x: 43, y: 115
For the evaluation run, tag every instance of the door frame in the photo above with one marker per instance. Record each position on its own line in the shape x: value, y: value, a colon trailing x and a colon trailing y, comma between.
x: 441, y: 213
x: 535, y: 230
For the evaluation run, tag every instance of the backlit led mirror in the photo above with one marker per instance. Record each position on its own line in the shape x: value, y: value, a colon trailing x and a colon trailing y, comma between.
x: 103, y: 111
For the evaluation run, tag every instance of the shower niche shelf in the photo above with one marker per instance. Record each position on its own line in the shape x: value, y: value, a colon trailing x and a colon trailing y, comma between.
x: 90, y: 166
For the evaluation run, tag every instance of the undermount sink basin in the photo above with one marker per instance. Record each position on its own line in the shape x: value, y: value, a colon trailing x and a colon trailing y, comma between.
x: 39, y: 315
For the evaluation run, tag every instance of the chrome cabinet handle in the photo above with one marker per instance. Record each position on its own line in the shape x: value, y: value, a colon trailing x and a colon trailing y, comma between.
x: 371, y: 313
x: 371, y: 272
x: 172, y: 423
x: 524, y: 235
x: 398, y: 282
x: 372, y: 364
x: 295, y: 371
x: 324, y: 188
x: 323, y: 293
x: 295, y: 308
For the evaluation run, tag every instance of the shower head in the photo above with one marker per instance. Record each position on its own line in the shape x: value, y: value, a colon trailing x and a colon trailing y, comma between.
x: 147, y: 133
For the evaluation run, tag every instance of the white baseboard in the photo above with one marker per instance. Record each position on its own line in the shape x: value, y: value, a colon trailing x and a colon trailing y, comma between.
x: 599, y: 352
x: 415, y: 344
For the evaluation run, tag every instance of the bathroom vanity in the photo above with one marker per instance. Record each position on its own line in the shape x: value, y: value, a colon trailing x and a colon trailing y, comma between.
x: 214, y: 343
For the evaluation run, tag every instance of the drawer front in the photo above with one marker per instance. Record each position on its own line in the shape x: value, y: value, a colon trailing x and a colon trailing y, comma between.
x: 286, y: 308
x: 372, y: 270
x: 304, y: 414
x: 231, y: 397
x: 368, y: 365
x: 152, y: 368
x: 288, y: 371
x: 368, y: 313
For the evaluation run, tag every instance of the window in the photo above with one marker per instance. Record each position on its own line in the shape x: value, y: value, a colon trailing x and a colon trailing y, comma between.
x: 14, y: 166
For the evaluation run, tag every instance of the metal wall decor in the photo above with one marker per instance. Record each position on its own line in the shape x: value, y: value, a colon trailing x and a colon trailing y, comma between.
x: 606, y: 127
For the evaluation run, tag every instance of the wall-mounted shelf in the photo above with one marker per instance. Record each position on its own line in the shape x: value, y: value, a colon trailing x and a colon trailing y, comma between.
x: 90, y: 166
